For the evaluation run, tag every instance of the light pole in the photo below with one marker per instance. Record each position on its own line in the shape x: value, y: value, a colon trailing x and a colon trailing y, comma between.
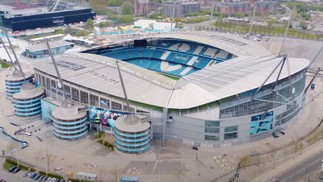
x: 253, y: 17
x: 196, y: 157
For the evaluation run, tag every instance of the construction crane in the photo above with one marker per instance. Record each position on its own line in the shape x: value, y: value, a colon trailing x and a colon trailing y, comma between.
x: 54, y: 6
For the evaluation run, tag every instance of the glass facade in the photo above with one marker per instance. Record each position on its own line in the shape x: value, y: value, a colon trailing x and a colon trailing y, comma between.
x: 133, y: 143
x: 70, y: 129
x: 230, y: 132
x: 13, y: 86
x: 246, y: 106
x: 28, y: 107
x: 212, y: 130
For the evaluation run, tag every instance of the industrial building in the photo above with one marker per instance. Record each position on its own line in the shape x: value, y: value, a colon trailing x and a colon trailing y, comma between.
x: 21, y: 16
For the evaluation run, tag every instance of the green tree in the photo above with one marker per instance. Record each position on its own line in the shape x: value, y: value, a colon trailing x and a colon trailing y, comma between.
x: 89, y: 23
x: 126, y: 8
x: 303, y: 25
x: 81, y: 33
x: 271, y: 22
x: 115, y: 2
x: 125, y: 19
x: 103, y: 24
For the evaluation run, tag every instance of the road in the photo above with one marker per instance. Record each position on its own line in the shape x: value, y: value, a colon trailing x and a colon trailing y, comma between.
x: 298, y: 172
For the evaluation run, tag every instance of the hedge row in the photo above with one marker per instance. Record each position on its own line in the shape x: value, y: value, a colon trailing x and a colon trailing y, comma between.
x: 9, y: 163
x: 78, y: 180
x: 51, y: 175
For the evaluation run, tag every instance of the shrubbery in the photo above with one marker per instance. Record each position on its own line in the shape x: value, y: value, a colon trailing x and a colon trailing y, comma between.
x: 9, y: 163
x: 51, y: 175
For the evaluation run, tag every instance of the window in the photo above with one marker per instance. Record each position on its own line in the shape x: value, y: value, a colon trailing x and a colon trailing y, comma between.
x: 75, y: 94
x: 43, y: 81
x: 125, y: 108
x: 115, y: 105
x: 48, y: 83
x: 228, y: 136
x: 84, y: 97
x: 53, y: 86
x: 94, y: 100
x: 67, y: 91
x: 230, y: 129
x: 211, y: 137
x: 212, y: 123
x: 212, y: 130
x: 230, y: 132
x: 104, y: 103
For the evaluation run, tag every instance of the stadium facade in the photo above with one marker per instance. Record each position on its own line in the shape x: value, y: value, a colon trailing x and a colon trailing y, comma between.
x: 18, y: 17
x: 211, y: 90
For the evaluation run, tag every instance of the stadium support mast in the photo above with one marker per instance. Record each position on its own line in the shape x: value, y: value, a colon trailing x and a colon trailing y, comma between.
x: 16, y: 58
x: 285, y: 34
x: 5, y: 48
x: 60, y: 84
x: 123, y: 87
x: 281, y: 65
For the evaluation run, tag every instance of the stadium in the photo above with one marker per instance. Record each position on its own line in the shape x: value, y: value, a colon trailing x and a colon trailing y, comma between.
x: 197, y: 88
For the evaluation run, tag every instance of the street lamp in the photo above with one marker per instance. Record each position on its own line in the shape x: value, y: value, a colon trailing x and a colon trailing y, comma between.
x: 196, y: 157
x: 196, y: 149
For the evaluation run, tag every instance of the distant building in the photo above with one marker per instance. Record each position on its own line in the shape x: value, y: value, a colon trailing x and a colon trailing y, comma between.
x: 154, y: 25
x: 25, y: 16
x: 40, y: 50
x: 180, y: 8
x: 265, y: 7
x: 231, y: 8
x: 141, y: 7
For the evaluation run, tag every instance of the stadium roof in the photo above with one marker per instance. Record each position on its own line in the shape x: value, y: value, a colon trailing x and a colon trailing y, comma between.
x: 228, y: 42
x: 43, y: 46
x: 213, y: 83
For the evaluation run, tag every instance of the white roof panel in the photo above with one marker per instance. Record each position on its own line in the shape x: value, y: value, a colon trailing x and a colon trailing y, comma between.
x: 218, y: 81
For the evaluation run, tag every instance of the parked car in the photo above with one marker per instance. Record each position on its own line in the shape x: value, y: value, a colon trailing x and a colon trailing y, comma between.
x: 12, y: 168
x: 25, y: 174
x: 36, y: 177
x: 33, y: 175
x: 44, y: 179
x: 17, y: 169
x: 41, y: 178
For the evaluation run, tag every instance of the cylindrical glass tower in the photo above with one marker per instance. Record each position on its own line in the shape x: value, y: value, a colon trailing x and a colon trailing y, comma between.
x: 15, y: 81
x: 69, y: 123
x: 132, y: 134
x: 27, y: 102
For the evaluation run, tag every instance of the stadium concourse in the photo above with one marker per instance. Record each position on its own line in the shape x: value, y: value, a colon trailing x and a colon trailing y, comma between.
x: 175, y: 161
